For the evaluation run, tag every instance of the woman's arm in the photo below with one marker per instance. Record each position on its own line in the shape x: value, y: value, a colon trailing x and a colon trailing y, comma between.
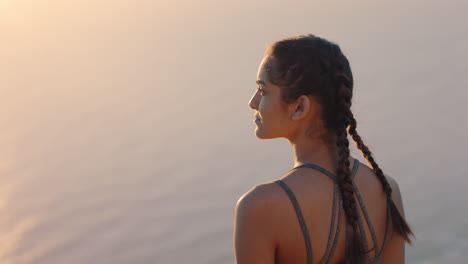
x: 253, y: 232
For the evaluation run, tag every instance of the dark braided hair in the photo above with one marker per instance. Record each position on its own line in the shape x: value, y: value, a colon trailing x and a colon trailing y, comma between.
x: 315, y: 66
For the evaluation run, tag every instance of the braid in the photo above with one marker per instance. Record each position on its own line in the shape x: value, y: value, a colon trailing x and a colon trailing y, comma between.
x: 399, y: 223
x: 368, y: 155
x: 347, y: 118
x: 344, y: 175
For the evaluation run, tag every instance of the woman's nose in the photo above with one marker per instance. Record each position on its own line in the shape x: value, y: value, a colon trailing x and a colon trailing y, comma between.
x: 253, y: 103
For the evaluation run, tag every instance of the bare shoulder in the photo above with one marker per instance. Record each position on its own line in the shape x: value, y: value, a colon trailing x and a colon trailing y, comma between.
x: 260, y: 198
x: 396, y: 194
x: 392, y: 182
x: 256, y: 220
x: 394, y: 185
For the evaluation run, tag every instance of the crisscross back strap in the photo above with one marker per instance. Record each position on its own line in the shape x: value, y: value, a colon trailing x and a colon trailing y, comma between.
x: 337, y: 204
x: 316, y: 167
x: 368, y: 220
x: 326, y: 172
x: 300, y: 218
x: 387, y: 229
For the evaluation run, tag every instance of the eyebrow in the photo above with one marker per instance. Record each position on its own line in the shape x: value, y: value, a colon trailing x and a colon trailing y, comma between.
x: 260, y: 82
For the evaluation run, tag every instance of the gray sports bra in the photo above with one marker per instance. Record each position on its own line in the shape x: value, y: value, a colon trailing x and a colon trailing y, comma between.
x: 337, y: 208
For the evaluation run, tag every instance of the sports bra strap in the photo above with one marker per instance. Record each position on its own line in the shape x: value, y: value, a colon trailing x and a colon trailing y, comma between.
x: 337, y: 202
x: 316, y: 167
x: 331, y: 241
x: 387, y: 228
x: 326, y: 172
x: 368, y: 220
x: 300, y: 217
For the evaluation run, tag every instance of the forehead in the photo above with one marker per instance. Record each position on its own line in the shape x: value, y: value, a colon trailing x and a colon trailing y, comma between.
x: 263, y: 70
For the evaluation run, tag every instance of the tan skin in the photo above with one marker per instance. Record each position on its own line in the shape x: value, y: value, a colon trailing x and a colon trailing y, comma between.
x: 266, y: 229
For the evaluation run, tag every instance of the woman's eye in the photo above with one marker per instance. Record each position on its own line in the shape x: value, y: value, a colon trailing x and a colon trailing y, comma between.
x: 260, y: 91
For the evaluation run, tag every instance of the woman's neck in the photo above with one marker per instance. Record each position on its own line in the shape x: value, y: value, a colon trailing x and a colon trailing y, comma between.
x: 316, y: 151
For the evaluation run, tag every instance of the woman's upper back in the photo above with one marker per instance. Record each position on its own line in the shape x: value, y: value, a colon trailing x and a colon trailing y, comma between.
x: 316, y: 197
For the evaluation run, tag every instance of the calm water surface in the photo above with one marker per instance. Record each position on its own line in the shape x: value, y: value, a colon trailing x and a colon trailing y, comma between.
x: 125, y: 135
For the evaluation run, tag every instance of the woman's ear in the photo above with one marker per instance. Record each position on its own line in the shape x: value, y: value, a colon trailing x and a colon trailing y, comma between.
x: 300, y: 108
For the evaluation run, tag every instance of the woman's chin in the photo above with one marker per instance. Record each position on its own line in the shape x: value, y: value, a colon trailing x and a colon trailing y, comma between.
x: 259, y: 133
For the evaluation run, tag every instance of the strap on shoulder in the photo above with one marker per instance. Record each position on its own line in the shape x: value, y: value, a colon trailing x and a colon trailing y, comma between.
x: 300, y: 218
x: 326, y: 172
x: 387, y: 228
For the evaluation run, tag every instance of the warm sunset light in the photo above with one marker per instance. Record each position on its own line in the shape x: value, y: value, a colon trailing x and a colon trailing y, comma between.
x: 126, y: 134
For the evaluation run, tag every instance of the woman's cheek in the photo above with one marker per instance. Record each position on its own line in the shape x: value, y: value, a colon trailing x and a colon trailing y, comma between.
x: 263, y: 104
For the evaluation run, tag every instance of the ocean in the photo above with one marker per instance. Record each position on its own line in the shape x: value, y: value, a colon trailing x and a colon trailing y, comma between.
x: 126, y: 136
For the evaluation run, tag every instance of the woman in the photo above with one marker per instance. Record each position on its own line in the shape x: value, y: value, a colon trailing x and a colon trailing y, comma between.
x: 329, y: 208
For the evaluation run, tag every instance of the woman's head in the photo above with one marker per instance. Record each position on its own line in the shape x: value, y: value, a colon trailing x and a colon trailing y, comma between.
x: 306, y: 82
x: 304, y: 74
